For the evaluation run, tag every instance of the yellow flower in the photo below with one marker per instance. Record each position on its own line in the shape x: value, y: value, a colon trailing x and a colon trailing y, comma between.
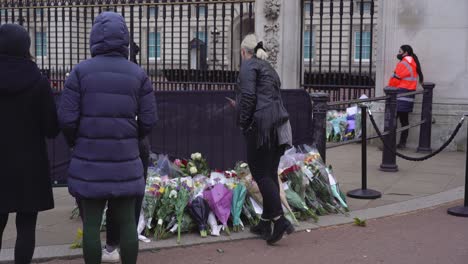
x: 162, y: 190
x: 152, y: 189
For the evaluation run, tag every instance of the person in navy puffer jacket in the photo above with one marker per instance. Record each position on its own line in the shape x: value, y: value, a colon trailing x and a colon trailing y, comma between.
x: 107, y: 106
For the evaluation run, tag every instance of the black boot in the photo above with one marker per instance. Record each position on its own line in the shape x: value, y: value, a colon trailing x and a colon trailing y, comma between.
x: 263, y: 229
x: 281, y: 226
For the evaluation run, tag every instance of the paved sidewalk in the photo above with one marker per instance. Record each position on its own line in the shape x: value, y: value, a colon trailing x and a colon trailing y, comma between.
x: 409, y: 238
x: 413, y: 180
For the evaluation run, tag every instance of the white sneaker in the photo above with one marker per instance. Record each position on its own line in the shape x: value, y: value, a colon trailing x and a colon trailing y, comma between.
x: 110, y: 257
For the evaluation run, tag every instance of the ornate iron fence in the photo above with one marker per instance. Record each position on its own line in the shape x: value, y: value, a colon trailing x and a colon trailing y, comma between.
x: 183, y: 45
x: 338, y: 47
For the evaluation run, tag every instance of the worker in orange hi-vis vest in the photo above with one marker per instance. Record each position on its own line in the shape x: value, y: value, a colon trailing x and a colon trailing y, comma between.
x: 405, y: 77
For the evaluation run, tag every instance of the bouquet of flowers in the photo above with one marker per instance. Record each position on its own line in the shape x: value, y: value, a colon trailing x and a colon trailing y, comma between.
x: 296, y: 180
x: 249, y: 212
x: 197, y: 165
x: 182, y: 199
x: 166, y: 209
x: 152, y: 193
x: 296, y: 201
x: 238, y: 200
x: 219, y: 197
x: 200, y: 210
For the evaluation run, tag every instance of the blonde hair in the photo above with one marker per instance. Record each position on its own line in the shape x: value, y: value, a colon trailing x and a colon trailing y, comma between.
x: 249, y: 43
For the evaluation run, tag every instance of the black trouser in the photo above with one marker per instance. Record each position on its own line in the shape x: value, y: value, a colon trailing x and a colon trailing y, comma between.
x: 404, y: 121
x: 263, y: 163
x: 25, y: 235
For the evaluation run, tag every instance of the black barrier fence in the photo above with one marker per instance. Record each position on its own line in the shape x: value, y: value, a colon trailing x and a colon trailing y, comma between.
x: 320, y: 107
x: 199, y: 121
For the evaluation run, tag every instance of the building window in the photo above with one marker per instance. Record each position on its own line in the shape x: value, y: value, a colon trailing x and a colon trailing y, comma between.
x: 39, y: 12
x: 201, y: 35
x: 366, y: 5
x: 153, y: 11
x: 154, y: 45
x: 309, y: 45
x: 307, y: 8
x: 3, y: 12
x: 41, y: 44
x: 365, y: 43
x: 201, y: 10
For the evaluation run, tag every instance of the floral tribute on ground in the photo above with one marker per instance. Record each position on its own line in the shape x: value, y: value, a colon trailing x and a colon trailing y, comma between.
x: 184, y: 196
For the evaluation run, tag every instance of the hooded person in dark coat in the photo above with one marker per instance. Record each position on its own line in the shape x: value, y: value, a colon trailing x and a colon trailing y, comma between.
x: 107, y: 106
x: 28, y: 114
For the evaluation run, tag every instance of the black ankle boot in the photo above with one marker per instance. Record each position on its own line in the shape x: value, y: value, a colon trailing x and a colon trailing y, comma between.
x: 263, y: 229
x: 281, y: 226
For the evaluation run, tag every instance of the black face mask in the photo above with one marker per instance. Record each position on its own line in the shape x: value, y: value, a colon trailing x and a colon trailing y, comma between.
x: 399, y: 56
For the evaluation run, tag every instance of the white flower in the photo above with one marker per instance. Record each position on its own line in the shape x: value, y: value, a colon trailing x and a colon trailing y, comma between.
x: 243, y: 165
x: 193, y: 170
x: 189, y: 183
x: 160, y: 222
x: 196, y: 156
x: 173, y: 194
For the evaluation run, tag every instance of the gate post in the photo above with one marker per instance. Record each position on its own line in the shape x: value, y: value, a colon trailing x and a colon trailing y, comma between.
x: 390, y: 126
x: 319, y: 121
x: 426, y: 114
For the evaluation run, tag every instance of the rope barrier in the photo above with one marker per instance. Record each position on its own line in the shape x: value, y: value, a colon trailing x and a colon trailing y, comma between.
x: 454, y: 133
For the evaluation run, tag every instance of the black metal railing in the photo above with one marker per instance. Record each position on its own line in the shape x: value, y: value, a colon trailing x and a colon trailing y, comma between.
x: 338, y: 47
x: 321, y: 104
x: 183, y: 45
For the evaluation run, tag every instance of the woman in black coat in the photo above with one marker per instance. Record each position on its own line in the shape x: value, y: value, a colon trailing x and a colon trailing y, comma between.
x: 28, y: 116
x: 265, y: 124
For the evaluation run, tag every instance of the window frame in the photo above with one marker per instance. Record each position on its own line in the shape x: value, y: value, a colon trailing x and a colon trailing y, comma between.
x: 356, y: 48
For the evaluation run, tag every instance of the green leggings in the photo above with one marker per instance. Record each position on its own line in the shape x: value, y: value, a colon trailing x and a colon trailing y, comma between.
x: 123, y: 214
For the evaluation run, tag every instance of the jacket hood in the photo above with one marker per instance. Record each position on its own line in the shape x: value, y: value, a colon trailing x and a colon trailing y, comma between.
x: 109, y: 35
x: 17, y: 75
x: 14, y: 41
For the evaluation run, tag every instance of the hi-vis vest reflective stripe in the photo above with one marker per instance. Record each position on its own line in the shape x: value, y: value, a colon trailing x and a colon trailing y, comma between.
x: 405, y: 75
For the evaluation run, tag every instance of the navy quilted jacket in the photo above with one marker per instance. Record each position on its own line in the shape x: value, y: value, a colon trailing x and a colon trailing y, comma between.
x: 108, y: 105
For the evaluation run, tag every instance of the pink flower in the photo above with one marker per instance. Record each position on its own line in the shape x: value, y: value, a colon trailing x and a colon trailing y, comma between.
x: 178, y: 162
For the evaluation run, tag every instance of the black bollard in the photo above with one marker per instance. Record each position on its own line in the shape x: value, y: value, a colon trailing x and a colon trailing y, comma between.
x: 319, y: 122
x: 388, y: 156
x: 426, y: 114
x: 364, y: 193
x: 462, y: 211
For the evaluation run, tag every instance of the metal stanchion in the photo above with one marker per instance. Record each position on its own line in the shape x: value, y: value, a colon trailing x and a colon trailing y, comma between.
x: 364, y: 193
x: 462, y: 210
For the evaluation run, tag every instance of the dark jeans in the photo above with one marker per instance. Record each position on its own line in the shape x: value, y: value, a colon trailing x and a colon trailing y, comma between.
x: 121, y: 211
x: 404, y: 121
x: 263, y: 163
x: 25, y: 235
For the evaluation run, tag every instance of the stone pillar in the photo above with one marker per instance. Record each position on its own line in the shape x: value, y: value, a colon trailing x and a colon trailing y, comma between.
x: 387, y: 44
x: 278, y: 25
